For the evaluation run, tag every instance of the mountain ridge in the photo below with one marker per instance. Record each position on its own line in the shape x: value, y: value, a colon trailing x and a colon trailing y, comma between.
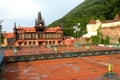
x: 96, y: 9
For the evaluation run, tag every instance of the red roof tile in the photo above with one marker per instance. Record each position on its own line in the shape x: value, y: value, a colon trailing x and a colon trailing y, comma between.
x: 92, y: 21
x: 29, y: 29
x: 117, y: 17
x: 69, y: 40
x: 9, y: 35
x: 52, y: 29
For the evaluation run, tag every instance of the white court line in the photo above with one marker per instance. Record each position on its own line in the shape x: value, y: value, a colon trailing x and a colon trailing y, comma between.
x: 46, y: 71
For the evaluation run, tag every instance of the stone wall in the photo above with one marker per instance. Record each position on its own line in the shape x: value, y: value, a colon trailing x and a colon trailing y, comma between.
x: 112, y: 32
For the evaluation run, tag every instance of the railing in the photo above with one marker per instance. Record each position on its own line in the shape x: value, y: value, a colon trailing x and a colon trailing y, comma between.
x: 41, y: 56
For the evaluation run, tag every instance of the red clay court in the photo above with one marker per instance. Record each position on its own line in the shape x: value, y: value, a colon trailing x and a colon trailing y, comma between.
x: 83, y: 68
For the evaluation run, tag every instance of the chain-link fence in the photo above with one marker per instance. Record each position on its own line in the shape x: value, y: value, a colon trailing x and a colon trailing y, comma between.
x: 28, y: 55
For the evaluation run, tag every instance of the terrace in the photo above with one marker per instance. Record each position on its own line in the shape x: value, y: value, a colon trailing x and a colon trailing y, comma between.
x: 87, y: 68
x: 36, y: 63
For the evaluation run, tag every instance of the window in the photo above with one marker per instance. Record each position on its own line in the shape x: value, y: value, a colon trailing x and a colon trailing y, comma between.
x: 33, y: 42
x: 46, y: 36
x: 25, y: 43
x: 20, y: 36
x: 59, y: 36
x: 27, y: 36
x: 30, y: 43
x: 40, y: 35
x: 53, y: 36
x: 33, y: 36
x: 20, y: 43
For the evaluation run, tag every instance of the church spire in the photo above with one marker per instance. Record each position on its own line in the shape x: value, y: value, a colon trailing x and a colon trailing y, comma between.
x: 39, y: 23
x: 15, y: 25
x: 39, y: 17
x: 36, y: 22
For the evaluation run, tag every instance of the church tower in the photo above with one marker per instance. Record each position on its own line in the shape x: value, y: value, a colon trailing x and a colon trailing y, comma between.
x: 39, y: 23
x: 15, y: 30
x: 116, y: 17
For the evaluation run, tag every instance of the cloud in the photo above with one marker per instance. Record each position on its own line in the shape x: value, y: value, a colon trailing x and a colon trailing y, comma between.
x: 24, y: 12
x: 6, y: 17
x: 19, y: 8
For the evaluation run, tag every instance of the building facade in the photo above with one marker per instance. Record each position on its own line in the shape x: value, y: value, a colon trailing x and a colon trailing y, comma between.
x: 92, y: 28
x: 109, y: 28
x: 38, y: 35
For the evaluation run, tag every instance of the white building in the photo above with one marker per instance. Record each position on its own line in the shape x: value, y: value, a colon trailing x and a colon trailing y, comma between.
x: 92, y: 28
x: 94, y: 25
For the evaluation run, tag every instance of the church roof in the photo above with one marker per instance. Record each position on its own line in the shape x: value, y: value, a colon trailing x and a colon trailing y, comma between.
x: 33, y: 29
x: 116, y: 18
x: 92, y: 21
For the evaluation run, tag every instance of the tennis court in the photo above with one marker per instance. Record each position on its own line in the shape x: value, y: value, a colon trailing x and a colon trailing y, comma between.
x: 85, y: 68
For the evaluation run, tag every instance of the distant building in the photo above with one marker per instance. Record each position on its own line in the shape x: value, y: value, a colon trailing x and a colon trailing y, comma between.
x: 37, y: 35
x: 109, y: 28
x: 111, y: 23
x: 9, y: 39
x: 92, y: 28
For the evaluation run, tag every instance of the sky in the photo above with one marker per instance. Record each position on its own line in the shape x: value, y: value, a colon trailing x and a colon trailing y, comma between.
x: 24, y: 12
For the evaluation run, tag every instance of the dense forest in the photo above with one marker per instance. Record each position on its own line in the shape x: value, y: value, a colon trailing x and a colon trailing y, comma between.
x: 96, y: 9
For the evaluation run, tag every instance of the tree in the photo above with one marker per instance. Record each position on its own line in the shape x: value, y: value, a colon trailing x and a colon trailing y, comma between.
x: 97, y: 9
x: 119, y: 40
x: 87, y: 40
x: 95, y: 39
x: 107, y: 40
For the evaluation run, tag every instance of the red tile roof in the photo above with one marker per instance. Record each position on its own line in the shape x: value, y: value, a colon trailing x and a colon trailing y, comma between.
x: 29, y: 29
x: 32, y: 29
x: 9, y: 35
x: 52, y: 29
x: 58, y: 27
x: 116, y: 18
x: 69, y: 40
x: 92, y: 21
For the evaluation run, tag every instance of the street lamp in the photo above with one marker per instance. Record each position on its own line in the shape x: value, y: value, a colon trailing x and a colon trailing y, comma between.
x: 0, y: 33
x: 76, y: 31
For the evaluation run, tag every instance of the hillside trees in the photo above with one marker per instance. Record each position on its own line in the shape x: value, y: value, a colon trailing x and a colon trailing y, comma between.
x: 97, y: 9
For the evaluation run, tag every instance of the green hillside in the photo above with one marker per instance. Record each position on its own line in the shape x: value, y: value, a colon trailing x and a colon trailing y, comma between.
x: 97, y: 9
